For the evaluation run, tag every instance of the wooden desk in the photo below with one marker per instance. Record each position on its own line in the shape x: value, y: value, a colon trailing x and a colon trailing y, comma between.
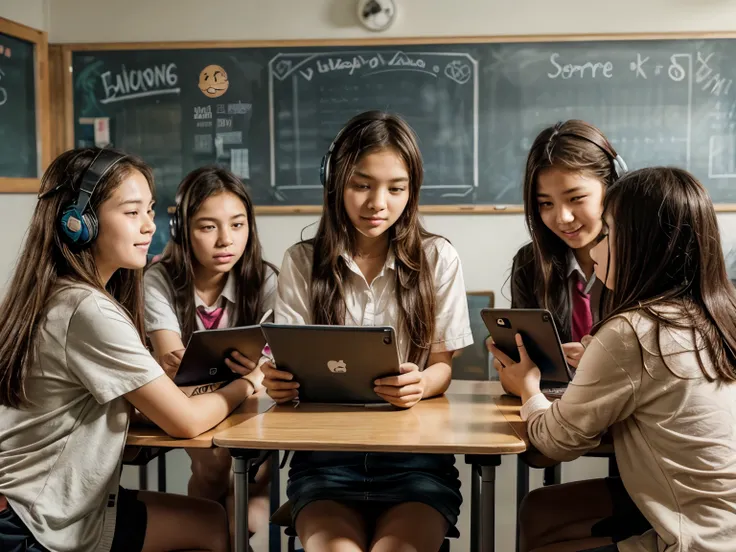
x: 465, y: 421
x: 143, y: 435
x: 153, y: 436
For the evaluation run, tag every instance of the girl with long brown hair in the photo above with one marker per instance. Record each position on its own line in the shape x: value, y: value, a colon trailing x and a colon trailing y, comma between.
x: 73, y: 361
x: 569, y: 167
x: 659, y: 373
x: 211, y: 275
x: 372, y: 263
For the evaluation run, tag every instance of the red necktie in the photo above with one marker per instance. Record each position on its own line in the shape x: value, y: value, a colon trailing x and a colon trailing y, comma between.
x: 212, y: 318
x: 582, y: 318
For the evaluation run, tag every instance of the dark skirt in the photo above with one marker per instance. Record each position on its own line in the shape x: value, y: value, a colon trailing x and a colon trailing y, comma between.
x: 376, y: 480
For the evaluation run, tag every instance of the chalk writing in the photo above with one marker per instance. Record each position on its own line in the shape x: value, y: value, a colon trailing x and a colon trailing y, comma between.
x: 204, y: 112
x: 139, y: 83
x: 570, y: 70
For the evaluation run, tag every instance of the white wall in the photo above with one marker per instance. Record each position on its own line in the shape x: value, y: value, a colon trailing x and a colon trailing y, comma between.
x: 16, y: 209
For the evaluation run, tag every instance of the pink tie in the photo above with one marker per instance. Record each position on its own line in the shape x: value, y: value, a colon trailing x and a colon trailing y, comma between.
x: 582, y: 318
x: 212, y: 318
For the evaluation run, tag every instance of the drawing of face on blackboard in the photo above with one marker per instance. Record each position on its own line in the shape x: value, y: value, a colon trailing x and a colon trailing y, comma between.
x: 213, y: 81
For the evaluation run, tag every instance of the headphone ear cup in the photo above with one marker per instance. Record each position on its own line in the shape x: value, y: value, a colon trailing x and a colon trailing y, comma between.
x: 74, y: 227
x: 324, y: 169
x: 90, y: 220
x: 174, y: 226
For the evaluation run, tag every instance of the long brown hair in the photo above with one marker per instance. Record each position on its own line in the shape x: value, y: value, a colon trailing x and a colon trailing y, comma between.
x: 179, y: 261
x: 367, y: 133
x: 666, y: 249
x: 574, y: 146
x: 46, y: 257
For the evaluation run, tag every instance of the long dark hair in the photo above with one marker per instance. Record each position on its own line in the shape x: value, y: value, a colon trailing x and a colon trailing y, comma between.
x: 666, y: 250
x: 574, y: 146
x: 367, y: 133
x: 46, y: 257
x: 179, y: 261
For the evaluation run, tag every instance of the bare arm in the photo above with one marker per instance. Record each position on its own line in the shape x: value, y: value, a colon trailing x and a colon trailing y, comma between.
x: 437, y: 375
x: 162, y: 402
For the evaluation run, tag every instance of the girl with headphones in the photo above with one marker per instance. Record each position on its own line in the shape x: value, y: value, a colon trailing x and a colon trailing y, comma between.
x: 372, y: 263
x: 568, y: 170
x: 211, y: 275
x: 72, y: 362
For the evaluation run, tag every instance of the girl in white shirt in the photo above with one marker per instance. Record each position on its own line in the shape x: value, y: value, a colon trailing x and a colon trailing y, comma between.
x: 211, y: 275
x: 372, y: 263
x: 73, y: 361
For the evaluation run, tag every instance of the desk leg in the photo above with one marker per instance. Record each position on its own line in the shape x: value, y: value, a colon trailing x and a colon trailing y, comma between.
x: 143, y: 477
x: 162, y: 472
x: 486, y: 518
x: 243, y: 461
x: 475, y: 521
x: 522, y: 489
x: 274, y: 531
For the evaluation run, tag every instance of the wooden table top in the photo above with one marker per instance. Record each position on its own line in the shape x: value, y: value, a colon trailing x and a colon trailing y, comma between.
x: 465, y: 420
x: 153, y: 436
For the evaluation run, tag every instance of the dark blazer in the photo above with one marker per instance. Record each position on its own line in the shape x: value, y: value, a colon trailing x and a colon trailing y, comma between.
x: 525, y: 295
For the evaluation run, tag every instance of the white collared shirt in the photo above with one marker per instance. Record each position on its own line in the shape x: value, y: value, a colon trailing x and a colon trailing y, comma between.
x: 160, y: 310
x: 375, y: 304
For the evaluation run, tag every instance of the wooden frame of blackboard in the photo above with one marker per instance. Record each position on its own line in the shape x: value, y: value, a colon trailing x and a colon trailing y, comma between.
x: 43, y: 123
x: 65, y: 123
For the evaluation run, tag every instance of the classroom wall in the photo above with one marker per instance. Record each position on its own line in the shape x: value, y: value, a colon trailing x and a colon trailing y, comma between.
x: 16, y: 209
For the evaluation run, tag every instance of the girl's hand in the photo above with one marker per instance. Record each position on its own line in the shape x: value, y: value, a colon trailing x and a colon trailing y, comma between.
x: 170, y: 362
x: 279, y: 384
x: 404, y: 390
x: 240, y: 364
x: 573, y: 353
x: 519, y: 378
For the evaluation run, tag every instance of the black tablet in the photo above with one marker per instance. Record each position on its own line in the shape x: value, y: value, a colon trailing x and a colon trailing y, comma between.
x: 542, y: 342
x: 335, y: 364
x: 204, y: 358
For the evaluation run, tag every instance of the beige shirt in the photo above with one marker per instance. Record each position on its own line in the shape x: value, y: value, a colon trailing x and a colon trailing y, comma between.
x: 674, y: 432
x: 375, y: 304
x: 60, y: 458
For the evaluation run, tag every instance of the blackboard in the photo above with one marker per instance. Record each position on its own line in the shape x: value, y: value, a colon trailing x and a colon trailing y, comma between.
x: 18, y: 140
x: 475, y: 106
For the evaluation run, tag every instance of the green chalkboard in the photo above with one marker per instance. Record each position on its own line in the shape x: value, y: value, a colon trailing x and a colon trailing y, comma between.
x: 18, y: 140
x: 476, y: 108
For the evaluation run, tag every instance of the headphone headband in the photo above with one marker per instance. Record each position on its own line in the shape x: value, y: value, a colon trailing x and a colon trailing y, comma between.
x: 101, y: 164
x: 619, y: 165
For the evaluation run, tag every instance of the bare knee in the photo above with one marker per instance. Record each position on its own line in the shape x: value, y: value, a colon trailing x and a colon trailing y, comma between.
x: 410, y: 527
x: 328, y: 526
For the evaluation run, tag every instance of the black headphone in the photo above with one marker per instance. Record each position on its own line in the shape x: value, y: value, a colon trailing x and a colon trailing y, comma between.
x: 175, y: 230
x: 617, y: 162
x: 324, y: 167
x: 78, y: 222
